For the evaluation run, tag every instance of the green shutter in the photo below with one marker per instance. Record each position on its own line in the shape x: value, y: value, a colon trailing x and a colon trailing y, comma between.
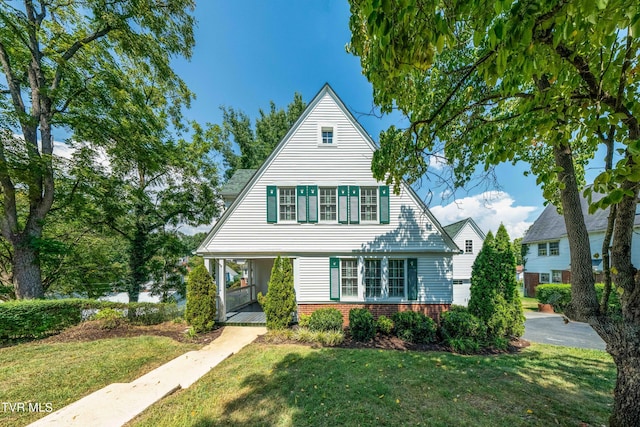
x: 412, y: 278
x: 384, y: 204
x: 343, y: 204
x: 301, y: 203
x: 334, y: 279
x: 354, y: 204
x: 312, y: 203
x: 272, y: 204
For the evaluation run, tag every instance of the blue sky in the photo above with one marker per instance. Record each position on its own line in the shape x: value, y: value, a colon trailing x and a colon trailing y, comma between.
x: 249, y: 52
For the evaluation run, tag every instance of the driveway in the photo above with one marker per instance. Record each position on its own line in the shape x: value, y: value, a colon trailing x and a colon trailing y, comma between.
x: 551, y: 329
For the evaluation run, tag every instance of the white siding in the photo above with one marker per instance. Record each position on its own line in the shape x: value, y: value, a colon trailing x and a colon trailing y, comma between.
x: 434, y: 280
x: 301, y: 161
x: 462, y: 263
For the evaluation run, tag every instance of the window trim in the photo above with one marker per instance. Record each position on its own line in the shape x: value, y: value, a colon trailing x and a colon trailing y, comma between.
x: 380, y: 277
x: 553, y: 272
x: 374, y: 209
x: 388, y: 279
x: 468, y: 243
x: 334, y: 140
x: 544, y: 281
x: 295, y: 205
x: 556, y: 242
x: 320, y: 205
x: 545, y: 247
x: 355, y: 297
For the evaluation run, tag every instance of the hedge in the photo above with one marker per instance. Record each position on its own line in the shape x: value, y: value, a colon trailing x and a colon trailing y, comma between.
x: 559, y: 295
x: 39, y: 318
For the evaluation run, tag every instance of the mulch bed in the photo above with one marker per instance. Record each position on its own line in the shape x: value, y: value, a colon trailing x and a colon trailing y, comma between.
x: 93, y: 330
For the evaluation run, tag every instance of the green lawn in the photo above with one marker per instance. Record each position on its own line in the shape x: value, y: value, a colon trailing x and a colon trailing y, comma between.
x: 529, y: 303
x: 290, y: 385
x: 61, y: 373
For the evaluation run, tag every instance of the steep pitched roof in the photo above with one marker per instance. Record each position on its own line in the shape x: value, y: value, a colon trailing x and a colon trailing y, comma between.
x: 236, y: 183
x: 326, y: 89
x: 454, y: 229
x: 550, y: 224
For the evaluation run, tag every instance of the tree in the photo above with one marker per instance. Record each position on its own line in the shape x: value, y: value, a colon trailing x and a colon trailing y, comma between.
x: 200, y: 312
x: 508, y: 285
x: 517, y: 250
x: 280, y: 301
x: 546, y: 83
x: 55, y: 56
x: 254, y: 145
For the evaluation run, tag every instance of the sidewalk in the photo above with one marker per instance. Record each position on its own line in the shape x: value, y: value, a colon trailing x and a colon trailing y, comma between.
x: 118, y: 403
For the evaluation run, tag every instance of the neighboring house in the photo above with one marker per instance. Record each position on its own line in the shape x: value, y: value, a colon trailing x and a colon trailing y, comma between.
x: 353, y: 243
x: 548, y: 257
x: 469, y: 238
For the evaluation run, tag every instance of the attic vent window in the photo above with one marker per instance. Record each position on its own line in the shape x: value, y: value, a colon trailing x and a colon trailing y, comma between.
x: 327, y: 135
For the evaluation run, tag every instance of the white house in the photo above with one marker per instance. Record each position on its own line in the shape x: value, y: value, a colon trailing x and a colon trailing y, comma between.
x: 353, y: 243
x: 548, y: 258
x: 469, y: 238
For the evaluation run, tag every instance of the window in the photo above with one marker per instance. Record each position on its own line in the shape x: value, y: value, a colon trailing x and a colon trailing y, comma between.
x: 327, y: 135
x: 287, y: 204
x: 554, y: 248
x: 544, y: 278
x: 468, y: 246
x: 372, y: 278
x: 556, y: 276
x: 458, y: 282
x: 396, y: 278
x: 542, y: 250
x: 349, y: 278
x: 328, y: 211
x: 369, y: 204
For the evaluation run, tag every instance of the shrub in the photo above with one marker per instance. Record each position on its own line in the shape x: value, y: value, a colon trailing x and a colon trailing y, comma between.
x: 414, y: 327
x: 38, y: 318
x: 460, y: 323
x: 464, y: 345
x: 362, y: 324
x: 201, y: 300
x: 280, y: 301
x: 326, y: 319
x: 384, y: 325
x: 558, y: 295
x: 303, y: 320
x: 109, y: 318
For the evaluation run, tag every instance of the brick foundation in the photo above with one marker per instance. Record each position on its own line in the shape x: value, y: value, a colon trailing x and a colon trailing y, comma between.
x: 431, y: 310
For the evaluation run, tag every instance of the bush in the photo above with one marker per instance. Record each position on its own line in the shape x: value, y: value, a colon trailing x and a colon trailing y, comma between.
x: 362, y: 324
x: 464, y: 345
x: 559, y: 295
x: 326, y: 319
x: 201, y: 299
x: 38, y: 318
x: 109, y: 318
x: 556, y: 294
x: 460, y: 323
x: 280, y: 301
x: 384, y: 325
x: 414, y: 327
x: 303, y: 320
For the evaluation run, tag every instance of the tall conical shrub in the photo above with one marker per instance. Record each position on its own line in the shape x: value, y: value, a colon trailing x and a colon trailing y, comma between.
x: 200, y: 311
x: 508, y: 283
x: 280, y: 301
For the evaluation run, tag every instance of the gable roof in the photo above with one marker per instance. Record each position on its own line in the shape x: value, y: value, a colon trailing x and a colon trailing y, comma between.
x: 325, y: 90
x: 550, y: 224
x: 236, y: 183
x: 456, y: 227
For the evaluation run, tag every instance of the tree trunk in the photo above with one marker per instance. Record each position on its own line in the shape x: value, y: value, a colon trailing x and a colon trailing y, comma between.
x: 26, y: 272
x: 584, y: 303
x: 626, y: 410
x: 137, y: 263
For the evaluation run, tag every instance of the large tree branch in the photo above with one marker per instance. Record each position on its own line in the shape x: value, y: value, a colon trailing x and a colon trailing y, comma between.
x: 12, y: 81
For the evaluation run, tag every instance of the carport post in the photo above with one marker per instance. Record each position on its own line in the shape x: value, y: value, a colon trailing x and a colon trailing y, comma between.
x: 222, y: 290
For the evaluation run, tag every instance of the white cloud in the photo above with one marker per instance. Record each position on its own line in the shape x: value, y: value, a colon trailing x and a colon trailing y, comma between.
x: 488, y: 210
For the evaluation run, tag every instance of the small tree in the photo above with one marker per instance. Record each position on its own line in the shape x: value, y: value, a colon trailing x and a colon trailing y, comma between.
x: 201, y: 299
x: 280, y: 301
x: 508, y: 285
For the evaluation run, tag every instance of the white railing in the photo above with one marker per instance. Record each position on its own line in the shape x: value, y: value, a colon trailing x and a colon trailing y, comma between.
x: 240, y: 297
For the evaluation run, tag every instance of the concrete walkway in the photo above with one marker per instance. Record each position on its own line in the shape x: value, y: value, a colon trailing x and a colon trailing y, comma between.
x: 119, y: 403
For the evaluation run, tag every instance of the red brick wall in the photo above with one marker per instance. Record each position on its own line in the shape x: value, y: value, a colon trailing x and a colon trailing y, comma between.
x: 566, y: 276
x: 531, y: 280
x: 431, y: 310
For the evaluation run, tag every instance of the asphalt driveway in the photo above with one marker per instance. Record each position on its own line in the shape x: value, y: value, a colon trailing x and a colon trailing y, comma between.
x: 551, y: 329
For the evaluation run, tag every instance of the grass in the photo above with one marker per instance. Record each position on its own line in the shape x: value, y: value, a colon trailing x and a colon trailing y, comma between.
x: 61, y: 373
x: 529, y: 303
x: 292, y: 385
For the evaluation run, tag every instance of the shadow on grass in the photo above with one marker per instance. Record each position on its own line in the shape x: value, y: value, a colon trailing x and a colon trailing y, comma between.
x: 541, y: 386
